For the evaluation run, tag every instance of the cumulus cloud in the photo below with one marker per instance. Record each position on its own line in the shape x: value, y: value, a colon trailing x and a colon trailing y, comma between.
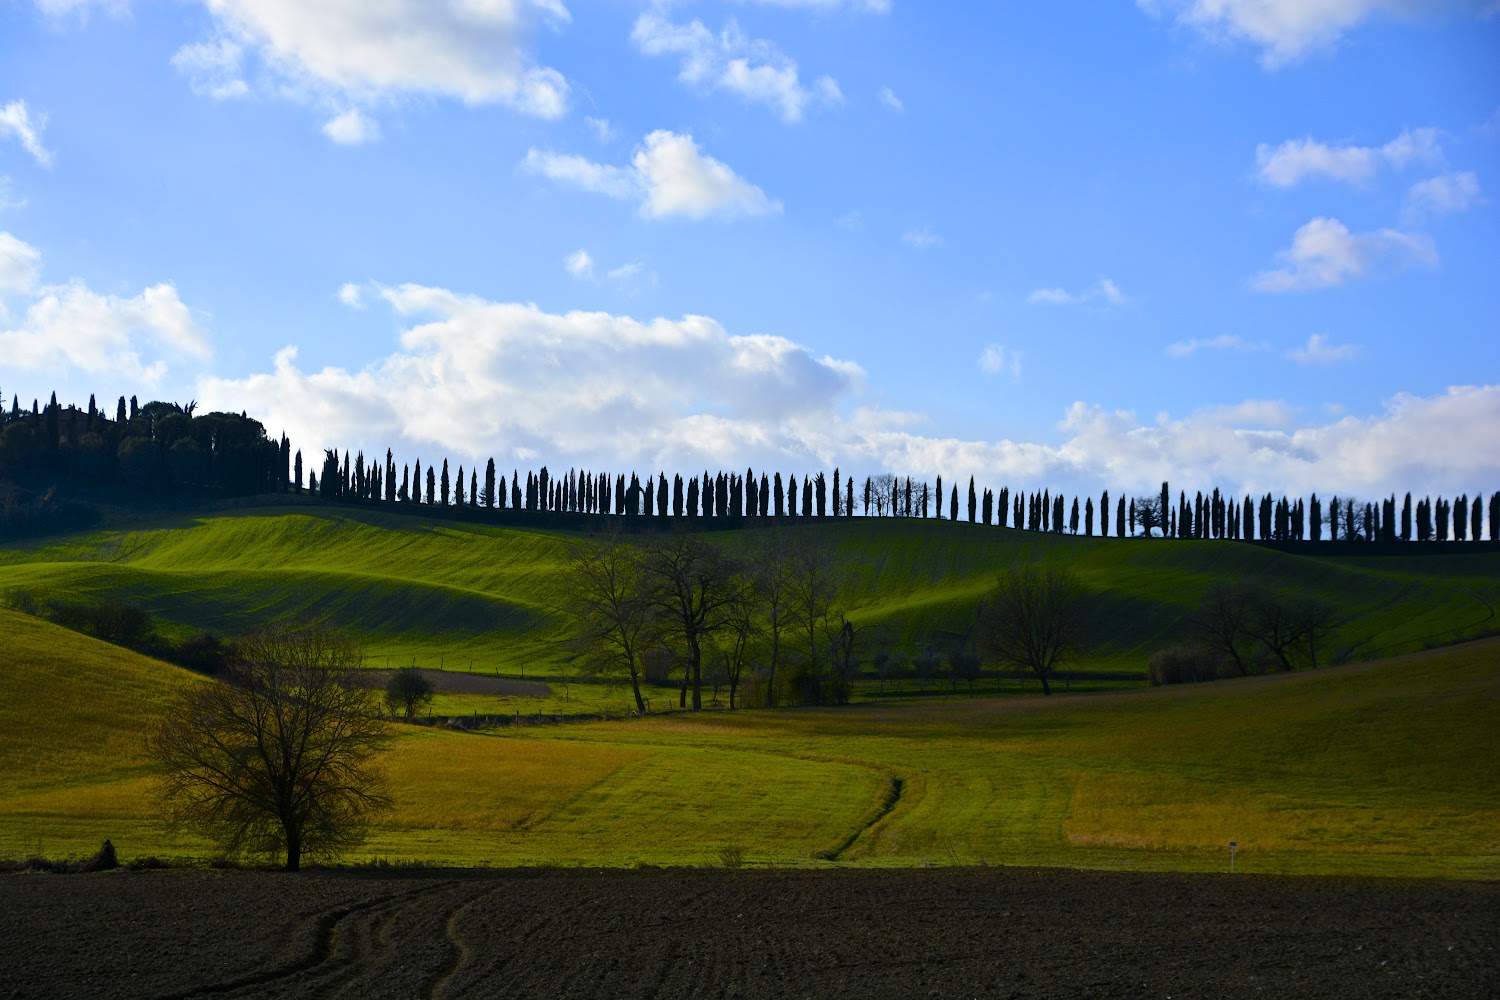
x: 1298, y: 159
x: 601, y: 127
x: 1287, y: 30
x: 997, y: 359
x: 510, y: 377
x: 18, y: 123
x: 1223, y: 342
x: 1444, y: 194
x: 1106, y: 291
x: 353, y: 54
x: 1325, y: 254
x: 888, y: 97
x: 72, y: 327
x: 19, y: 266
x: 1319, y: 350
x: 921, y: 238
x: 668, y: 176
x: 601, y: 390
x: 352, y: 128
x: 750, y: 68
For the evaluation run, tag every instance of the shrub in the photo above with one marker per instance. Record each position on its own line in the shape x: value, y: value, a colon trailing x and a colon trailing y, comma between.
x: 1183, y: 665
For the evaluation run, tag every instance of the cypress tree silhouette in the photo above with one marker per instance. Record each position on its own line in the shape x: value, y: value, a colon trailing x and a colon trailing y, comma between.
x: 1104, y: 514
x: 661, y: 494
x: 1495, y: 516
x: 297, y: 470
x: 807, y: 503
x: 692, y: 497
x: 1120, y: 519
x: 1057, y: 514
x: 987, y: 506
x: 1073, y: 517
x: 820, y: 494
x: 459, y: 499
x: 677, y: 499
x: 404, y: 492
x: 937, y: 493
x: 431, y: 485
x: 849, y: 497
x: 973, y: 501
x: 1088, y: 517
x: 953, y: 506
x: 1315, y: 518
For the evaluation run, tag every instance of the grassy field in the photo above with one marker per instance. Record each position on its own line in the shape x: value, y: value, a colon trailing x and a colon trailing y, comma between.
x: 466, y: 596
x: 1382, y: 768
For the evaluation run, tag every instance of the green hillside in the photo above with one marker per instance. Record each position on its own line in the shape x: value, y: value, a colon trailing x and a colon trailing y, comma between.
x: 463, y: 594
x: 1383, y: 768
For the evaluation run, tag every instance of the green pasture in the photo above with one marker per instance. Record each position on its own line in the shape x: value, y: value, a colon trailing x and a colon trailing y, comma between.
x: 1379, y: 768
x: 469, y: 596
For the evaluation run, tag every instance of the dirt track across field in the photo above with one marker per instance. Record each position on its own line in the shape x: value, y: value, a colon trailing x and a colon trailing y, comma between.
x: 988, y: 932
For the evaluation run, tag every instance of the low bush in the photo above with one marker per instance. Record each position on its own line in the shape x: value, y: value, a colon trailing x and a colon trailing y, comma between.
x: 1183, y: 665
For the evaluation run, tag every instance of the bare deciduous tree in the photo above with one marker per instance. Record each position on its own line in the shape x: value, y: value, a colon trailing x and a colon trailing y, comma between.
x: 407, y: 691
x: 1031, y: 619
x: 1150, y: 514
x: 1223, y: 622
x: 691, y: 587
x: 610, y: 602
x: 278, y: 758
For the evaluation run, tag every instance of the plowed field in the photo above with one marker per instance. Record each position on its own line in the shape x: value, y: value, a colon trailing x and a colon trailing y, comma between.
x: 987, y: 932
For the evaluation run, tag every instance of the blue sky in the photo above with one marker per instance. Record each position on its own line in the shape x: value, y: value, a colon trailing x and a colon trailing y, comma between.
x: 1244, y: 243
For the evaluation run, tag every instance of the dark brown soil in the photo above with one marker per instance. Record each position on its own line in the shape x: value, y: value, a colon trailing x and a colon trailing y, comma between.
x: 989, y: 932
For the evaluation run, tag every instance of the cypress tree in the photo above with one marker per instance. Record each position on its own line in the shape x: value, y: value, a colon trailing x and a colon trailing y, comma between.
x: 297, y: 470
x: 987, y: 506
x: 1132, y: 516
x: 1088, y: 517
x: 459, y: 499
x: 404, y: 493
x: 677, y: 494
x: 752, y: 495
x: 765, y: 495
x: 937, y: 493
x: 119, y: 418
x: 1120, y: 519
x: 1495, y: 516
x: 1046, y: 510
x: 1073, y: 517
x: 1104, y: 514
x: 807, y: 496
x: 432, y: 484
x: 820, y: 494
x: 1057, y: 514
x: 515, y: 489
x: 1460, y: 518
x: 953, y: 506
x: 973, y: 501
x: 849, y: 497
x: 838, y: 493
x: 416, y: 482
x: 662, y: 499
x: 1315, y: 517
x: 1476, y: 517
x: 445, y: 484
x: 780, y: 496
x: 621, y: 498
x: 488, y: 497
x: 692, y: 497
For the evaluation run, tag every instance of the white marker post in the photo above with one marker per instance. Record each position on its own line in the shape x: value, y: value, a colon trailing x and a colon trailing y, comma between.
x: 1232, y: 846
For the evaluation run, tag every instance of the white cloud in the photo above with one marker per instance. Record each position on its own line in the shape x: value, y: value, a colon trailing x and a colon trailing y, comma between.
x: 851, y: 221
x: 1297, y: 159
x: 608, y: 391
x: 8, y: 200
x: 17, y: 122
x: 673, y: 393
x: 921, y: 238
x: 1105, y: 291
x: 668, y: 176
x: 1325, y: 254
x: 997, y: 359
x: 1223, y: 342
x: 352, y: 295
x: 751, y: 68
x: 353, y: 53
x: 213, y: 68
x: 625, y: 272
x: 352, y: 128
x: 871, y: 6
x: 1444, y: 194
x: 1319, y: 350
x: 71, y: 327
x: 888, y: 97
x: 19, y: 266
x: 1286, y: 30
x: 580, y: 264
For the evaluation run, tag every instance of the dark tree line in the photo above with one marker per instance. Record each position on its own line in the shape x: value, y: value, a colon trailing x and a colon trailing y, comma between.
x: 164, y: 446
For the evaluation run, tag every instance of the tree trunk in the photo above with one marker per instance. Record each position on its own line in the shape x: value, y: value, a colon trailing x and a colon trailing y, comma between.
x: 696, y: 655
x: 293, y: 847
x: 635, y: 687
x: 1046, y: 688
